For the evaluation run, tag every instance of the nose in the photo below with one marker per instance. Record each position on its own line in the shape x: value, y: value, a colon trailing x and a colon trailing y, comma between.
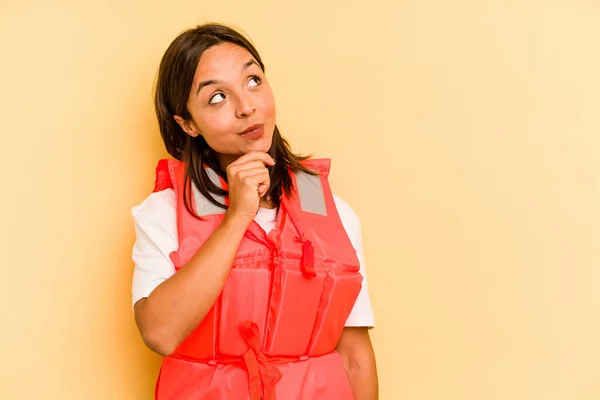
x: 245, y: 106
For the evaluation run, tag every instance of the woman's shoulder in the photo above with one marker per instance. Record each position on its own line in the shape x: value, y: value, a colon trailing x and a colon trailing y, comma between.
x: 320, y: 165
x: 161, y: 204
x: 348, y: 216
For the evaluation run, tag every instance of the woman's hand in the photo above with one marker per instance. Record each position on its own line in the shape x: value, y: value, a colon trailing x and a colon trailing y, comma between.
x: 248, y: 180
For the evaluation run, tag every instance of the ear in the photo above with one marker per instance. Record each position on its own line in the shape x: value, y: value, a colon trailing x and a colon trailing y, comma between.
x: 188, y: 126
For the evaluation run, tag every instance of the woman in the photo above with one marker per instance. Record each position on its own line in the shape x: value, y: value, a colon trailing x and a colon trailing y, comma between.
x: 248, y: 277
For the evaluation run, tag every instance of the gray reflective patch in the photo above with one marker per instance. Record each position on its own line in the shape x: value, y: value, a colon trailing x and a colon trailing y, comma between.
x: 310, y: 190
x: 203, y: 205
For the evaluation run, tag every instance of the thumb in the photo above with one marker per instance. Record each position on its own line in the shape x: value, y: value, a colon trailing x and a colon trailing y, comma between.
x: 262, y: 189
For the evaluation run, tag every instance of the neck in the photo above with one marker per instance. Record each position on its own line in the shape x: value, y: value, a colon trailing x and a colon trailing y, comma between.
x: 266, y: 203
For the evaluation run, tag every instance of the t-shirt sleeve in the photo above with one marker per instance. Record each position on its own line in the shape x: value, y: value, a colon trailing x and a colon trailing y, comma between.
x: 155, y: 223
x: 362, y: 312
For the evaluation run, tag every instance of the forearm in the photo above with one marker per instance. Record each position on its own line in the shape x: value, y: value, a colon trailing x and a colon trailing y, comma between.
x: 178, y: 305
x: 357, y: 354
x: 363, y: 379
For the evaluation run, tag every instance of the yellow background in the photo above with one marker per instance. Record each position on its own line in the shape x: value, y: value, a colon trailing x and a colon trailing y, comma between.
x: 465, y: 134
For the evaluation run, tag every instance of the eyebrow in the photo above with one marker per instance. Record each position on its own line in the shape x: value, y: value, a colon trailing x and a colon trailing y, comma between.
x: 206, y: 83
x: 214, y: 81
x: 248, y: 64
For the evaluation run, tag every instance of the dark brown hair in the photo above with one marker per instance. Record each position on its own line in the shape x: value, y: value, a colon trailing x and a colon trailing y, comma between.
x: 175, y: 77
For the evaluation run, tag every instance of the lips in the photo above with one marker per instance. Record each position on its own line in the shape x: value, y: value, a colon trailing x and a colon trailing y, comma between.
x: 253, y: 132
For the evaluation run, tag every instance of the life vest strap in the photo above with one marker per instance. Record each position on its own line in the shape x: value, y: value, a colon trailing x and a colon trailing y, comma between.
x: 262, y: 371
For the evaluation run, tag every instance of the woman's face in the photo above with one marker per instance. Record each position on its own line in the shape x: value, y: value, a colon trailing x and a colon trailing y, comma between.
x: 231, y: 103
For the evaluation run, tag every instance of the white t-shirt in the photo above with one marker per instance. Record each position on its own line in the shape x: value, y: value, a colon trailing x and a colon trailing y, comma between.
x: 155, y: 221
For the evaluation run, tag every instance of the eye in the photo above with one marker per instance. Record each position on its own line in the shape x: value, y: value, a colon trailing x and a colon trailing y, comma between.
x: 217, y: 98
x: 254, y: 81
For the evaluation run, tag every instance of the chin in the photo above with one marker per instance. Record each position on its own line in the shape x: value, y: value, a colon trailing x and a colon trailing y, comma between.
x: 257, y: 147
x: 263, y: 145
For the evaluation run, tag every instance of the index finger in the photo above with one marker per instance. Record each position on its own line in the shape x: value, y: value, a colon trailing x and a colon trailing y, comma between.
x: 255, y: 156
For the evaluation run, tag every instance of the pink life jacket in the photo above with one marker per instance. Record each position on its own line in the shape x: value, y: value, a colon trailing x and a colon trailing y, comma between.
x: 273, y: 330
